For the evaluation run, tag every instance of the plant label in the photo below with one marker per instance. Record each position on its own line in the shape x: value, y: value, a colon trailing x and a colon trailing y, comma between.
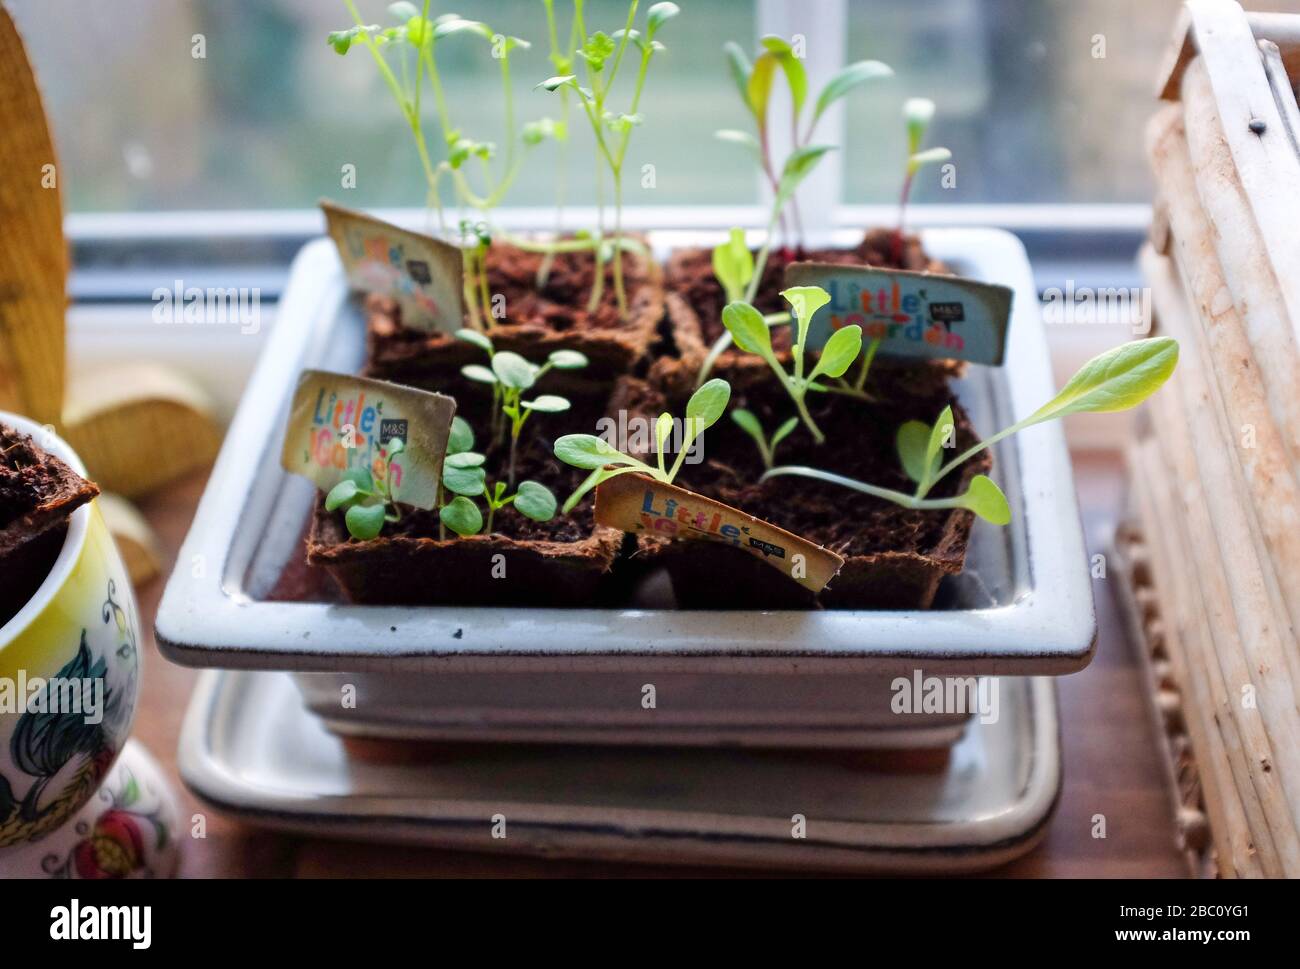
x: 340, y: 423
x: 913, y: 314
x: 639, y: 504
x: 423, y: 274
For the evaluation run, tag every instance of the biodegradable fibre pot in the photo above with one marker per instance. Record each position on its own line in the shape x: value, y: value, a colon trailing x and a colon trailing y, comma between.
x: 895, y: 557
x: 694, y: 301
x: 564, y: 562
x: 69, y: 653
x: 536, y: 322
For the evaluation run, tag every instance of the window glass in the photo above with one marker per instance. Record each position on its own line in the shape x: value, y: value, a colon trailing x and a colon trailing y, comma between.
x: 269, y: 116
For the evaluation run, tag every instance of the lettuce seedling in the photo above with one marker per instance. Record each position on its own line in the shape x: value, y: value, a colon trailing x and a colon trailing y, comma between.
x: 918, y: 113
x: 602, y: 56
x: 367, y: 504
x: 605, y: 461
x: 750, y: 332
x: 510, y: 375
x: 1116, y: 380
x: 751, y: 425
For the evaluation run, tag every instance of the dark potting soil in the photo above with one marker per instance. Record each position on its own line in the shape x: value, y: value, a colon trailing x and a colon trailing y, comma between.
x: 860, y: 445
x: 691, y: 275
x: 38, y: 493
x: 560, y: 305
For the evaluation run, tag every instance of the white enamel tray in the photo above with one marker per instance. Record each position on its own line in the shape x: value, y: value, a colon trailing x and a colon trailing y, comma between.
x: 1023, y: 606
x: 249, y: 748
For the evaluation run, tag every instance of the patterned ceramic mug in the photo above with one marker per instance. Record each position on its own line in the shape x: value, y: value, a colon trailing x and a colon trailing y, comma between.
x: 69, y: 674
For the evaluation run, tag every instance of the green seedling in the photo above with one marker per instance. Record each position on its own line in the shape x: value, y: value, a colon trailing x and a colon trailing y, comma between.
x: 755, y: 83
x: 406, y: 54
x: 510, y: 375
x: 602, y: 55
x: 918, y: 113
x: 605, y: 461
x: 752, y: 426
x: 463, y: 480
x: 367, y: 504
x: 1116, y: 380
x: 750, y: 332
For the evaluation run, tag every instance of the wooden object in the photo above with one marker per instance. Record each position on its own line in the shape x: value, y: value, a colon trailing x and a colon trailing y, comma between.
x: 136, y: 428
x: 1215, y: 476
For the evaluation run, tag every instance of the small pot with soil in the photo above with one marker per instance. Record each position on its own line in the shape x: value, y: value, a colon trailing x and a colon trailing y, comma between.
x: 895, y: 557
x: 695, y: 298
x: 512, y: 559
x: 539, y: 319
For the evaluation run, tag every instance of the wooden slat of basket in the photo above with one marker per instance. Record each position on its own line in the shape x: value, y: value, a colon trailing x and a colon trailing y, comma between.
x: 1219, y: 341
x: 1236, y: 854
x: 1253, y: 283
x: 1282, y: 29
x: 1246, y: 645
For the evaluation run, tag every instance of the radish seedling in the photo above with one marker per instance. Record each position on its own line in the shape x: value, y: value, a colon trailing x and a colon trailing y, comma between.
x: 1116, y: 380
x: 605, y: 461
x: 918, y: 113
x: 464, y: 478
x: 367, y: 503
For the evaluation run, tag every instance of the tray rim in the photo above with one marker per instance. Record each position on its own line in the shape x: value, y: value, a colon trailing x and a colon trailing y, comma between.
x: 848, y: 846
x: 206, y: 620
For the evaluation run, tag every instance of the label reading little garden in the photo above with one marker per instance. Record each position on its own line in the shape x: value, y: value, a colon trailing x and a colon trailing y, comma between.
x: 340, y: 423
x: 912, y: 314
x: 423, y: 274
x: 638, y: 504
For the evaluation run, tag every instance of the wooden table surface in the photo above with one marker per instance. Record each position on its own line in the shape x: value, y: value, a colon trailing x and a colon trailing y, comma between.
x: 1109, y: 754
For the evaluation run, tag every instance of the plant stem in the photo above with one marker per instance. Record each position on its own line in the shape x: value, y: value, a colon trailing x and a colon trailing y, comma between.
x: 802, y: 407
x: 968, y: 454
x: 514, y: 441
x: 760, y: 264
x: 867, y: 359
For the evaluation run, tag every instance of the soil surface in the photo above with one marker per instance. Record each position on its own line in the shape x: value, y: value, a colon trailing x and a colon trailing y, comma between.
x: 860, y: 445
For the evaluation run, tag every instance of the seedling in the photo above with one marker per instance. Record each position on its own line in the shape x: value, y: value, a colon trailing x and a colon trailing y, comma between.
x: 750, y: 332
x: 752, y: 426
x: 464, y: 478
x: 918, y: 113
x: 602, y: 56
x: 415, y: 38
x: 605, y: 461
x: 1116, y: 380
x: 367, y: 503
x: 510, y: 375
x: 754, y: 83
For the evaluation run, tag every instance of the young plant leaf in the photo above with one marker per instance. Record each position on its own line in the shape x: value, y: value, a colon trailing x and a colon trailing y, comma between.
x: 1118, y: 379
x: 479, y: 340
x: 394, y: 447
x: 839, y: 353
x: 462, y: 516
x: 943, y: 430
x: 750, y: 425
x: 733, y: 264
x: 403, y: 11
x: 479, y: 373
x: 663, y: 431
x: 783, y: 432
x: 535, y: 501
x: 341, y: 494
x: 739, y: 68
x: 364, y: 521
x: 917, y: 113
x: 567, y: 359
x: 846, y: 80
x: 759, y: 89
x: 748, y: 329
x: 546, y: 404
x: 797, y: 166
x: 931, y: 156
x: 364, y: 480
x: 559, y: 81
x: 913, y: 439
x: 460, y: 437
x: 463, y: 481
x: 591, y: 452
x: 657, y: 16
x: 742, y: 138
x: 513, y: 370
x: 706, y: 405
x: 986, y: 500
x: 795, y: 75
x: 464, y: 459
